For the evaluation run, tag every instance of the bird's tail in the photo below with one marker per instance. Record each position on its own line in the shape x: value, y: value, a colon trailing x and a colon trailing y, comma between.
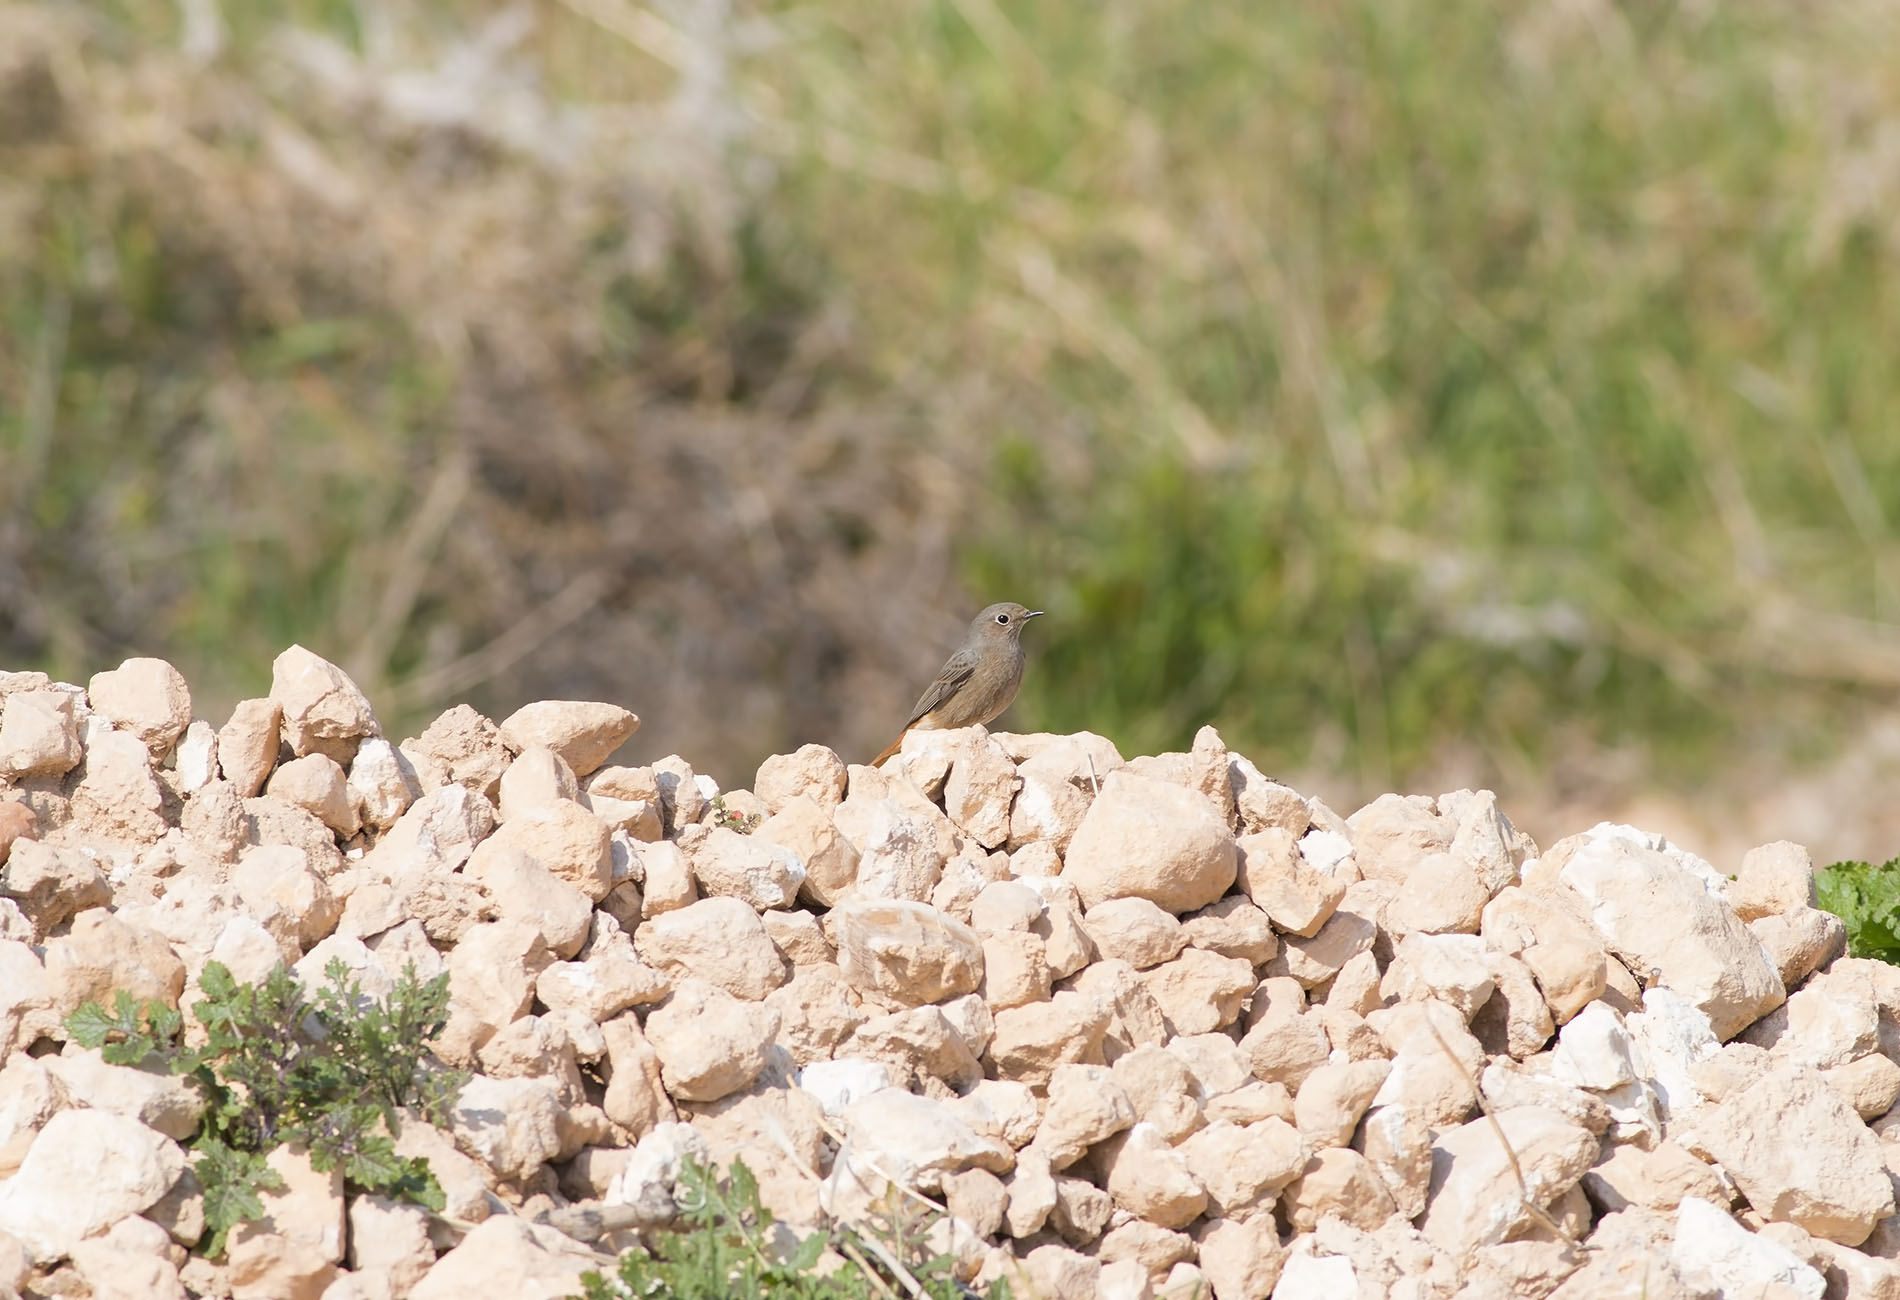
x: 890, y: 749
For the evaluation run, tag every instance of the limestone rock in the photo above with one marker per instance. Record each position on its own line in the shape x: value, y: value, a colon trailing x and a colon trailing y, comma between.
x: 1775, y: 879
x: 85, y: 1171
x: 582, y: 732
x: 316, y: 784
x: 1799, y: 1153
x: 1657, y: 916
x: 1135, y: 931
x: 813, y: 771
x: 247, y: 744
x: 567, y: 840
x: 906, y: 951
x: 829, y: 860
x: 146, y: 697
x: 323, y: 710
x: 1200, y: 991
x: 719, y: 940
x: 710, y: 1043
x: 39, y: 734
x: 1151, y: 1179
x: 1032, y: 1040
x: 1150, y: 839
x: 465, y: 748
x: 52, y: 884
x: 1475, y: 1196
x: 117, y: 796
x: 760, y: 871
x: 536, y: 1261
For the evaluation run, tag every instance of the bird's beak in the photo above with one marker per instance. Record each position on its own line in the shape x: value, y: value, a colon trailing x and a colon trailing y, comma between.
x: 1034, y: 613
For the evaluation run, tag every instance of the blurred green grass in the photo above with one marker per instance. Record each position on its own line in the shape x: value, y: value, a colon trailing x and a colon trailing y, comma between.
x: 1376, y: 380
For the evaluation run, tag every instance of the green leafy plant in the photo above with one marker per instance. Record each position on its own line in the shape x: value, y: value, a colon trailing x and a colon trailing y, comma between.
x: 732, y: 819
x: 726, y: 1249
x: 1868, y: 899
x: 333, y: 1073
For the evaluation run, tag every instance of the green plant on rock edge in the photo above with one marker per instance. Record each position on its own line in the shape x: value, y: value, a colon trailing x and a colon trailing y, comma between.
x: 333, y: 1073
x: 1867, y: 898
x: 725, y: 1249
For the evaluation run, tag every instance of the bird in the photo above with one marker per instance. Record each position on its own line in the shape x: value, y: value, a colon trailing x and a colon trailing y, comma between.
x: 977, y: 682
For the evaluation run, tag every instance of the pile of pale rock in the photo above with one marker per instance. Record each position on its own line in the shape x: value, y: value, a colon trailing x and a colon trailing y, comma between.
x: 1155, y: 1027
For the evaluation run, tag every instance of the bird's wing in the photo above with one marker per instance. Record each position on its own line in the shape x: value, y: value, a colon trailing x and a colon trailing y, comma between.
x: 956, y: 671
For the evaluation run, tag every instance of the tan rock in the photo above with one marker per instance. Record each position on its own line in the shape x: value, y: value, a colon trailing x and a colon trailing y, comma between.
x: 1516, y: 1019
x: 915, y: 1141
x: 1475, y: 1198
x: 1243, y: 1166
x: 567, y: 840
x: 1151, y: 1179
x: 1015, y: 969
x: 1053, y: 1270
x: 583, y: 733
x: 818, y: 1010
x: 262, y: 1265
x: 669, y: 881
x: 117, y: 796
x: 813, y: 771
x: 1800, y: 942
x: 1200, y: 991
x: 1032, y: 1040
x: 636, y: 1097
x: 1549, y: 930
x: 1005, y: 906
x: 526, y: 891
x: 920, y: 1043
x: 1799, y: 1153
x: 1871, y: 1084
x: 681, y: 800
x: 1435, y: 1062
x: 798, y: 936
x: 1135, y: 931
x: 1052, y: 798
x: 492, y: 974
x: 1286, y: 1049
x: 761, y: 872
x: 1086, y: 1105
x: 1442, y: 895
x: 129, y: 1261
x: 86, y: 1170
x: 1452, y: 968
x: 17, y: 822
x: 719, y: 940
x: 1394, y: 834
x: 1313, y: 961
x: 52, y: 884
x: 101, y: 954
x: 276, y: 878
x: 1652, y: 1180
x: 323, y: 711
x: 512, y: 1126
x: 247, y: 744
x: 1333, y: 1097
x: 710, y: 1043
x: 39, y: 734
x: 1241, y: 1258
x: 980, y: 787
x: 999, y: 1109
x: 906, y: 951
x: 1657, y: 916
x: 465, y: 747
x: 536, y: 1261
x: 1149, y: 839
x: 1775, y: 879
x: 392, y: 1237
x: 1134, y: 1016
x: 1232, y: 927
x: 829, y: 860
x: 1162, y: 1090
x: 163, y: 1102
x: 1066, y: 946
x: 196, y: 757
x: 1337, y: 1182
x: 536, y: 778
x: 1032, y: 1195
x: 1261, y: 804
x: 435, y: 836
x: 146, y: 697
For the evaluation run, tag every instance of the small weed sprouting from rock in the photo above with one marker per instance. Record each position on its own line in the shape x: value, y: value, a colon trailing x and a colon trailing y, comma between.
x: 725, y: 1249
x: 732, y: 819
x: 278, y: 1067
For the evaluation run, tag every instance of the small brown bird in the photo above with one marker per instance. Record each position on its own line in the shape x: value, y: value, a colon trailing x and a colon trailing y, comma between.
x: 977, y: 682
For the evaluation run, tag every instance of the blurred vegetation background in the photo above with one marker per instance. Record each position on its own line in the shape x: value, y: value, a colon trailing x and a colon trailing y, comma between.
x: 1424, y: 393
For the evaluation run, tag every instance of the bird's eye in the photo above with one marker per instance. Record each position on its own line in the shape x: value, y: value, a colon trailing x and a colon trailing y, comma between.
x: 1002, y: 618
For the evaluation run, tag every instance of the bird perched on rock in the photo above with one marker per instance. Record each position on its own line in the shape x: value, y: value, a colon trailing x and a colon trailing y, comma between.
x: 977, y: 682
